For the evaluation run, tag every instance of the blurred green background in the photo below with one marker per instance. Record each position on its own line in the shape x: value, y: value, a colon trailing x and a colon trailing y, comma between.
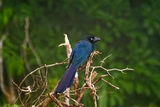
x: 129, y: 29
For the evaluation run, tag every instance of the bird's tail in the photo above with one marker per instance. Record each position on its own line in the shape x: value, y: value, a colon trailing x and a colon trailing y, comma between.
x: 66, y: 80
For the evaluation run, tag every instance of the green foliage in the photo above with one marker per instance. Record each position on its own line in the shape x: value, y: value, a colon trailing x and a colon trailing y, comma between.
x: 129, y: 30
x: 5, y: 16
x: 12, y: 60
x: 8, y: 105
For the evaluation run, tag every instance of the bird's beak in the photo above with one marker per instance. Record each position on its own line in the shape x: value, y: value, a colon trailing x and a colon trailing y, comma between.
x: 96, y: 39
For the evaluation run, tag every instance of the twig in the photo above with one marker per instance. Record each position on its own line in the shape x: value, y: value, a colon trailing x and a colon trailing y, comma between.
x: 55, y: 100
x: 76, y: 103
x: 99, y: 79
x: 37, y: 69
x: 110, y: 84
x: 81, y: 93
x: 103, y: 60
x: 29, y: 42
x: 32, y: 72
x: 45, y: 86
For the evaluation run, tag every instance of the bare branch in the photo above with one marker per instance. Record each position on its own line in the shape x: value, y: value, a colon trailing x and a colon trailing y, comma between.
x: 68, y: 50
x: 7, y: 89
x: 55, y: 100
x: 110, y: 84
x: 37, y: 69
x: 103, y: 60
x: 27, y: 39
x: 91, y: 79
x: 20, y: 90
x: 2, y: 85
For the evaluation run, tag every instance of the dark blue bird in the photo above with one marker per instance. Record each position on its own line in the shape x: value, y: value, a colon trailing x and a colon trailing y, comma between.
x: 80, y: 53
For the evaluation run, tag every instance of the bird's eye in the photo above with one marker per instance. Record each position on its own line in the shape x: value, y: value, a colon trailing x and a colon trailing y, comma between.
x: 91, y: 39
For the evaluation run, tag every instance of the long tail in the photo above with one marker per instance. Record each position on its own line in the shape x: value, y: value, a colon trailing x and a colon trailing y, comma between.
x: 66, y: 80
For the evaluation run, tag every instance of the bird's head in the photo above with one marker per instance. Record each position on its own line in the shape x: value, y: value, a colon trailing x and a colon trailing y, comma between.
x: 92, y: 39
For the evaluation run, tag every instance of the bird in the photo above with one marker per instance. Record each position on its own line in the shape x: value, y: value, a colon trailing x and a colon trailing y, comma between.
x: 80, y: 53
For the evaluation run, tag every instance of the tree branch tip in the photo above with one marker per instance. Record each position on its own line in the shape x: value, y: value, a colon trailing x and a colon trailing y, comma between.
x: 45, y: 65
x: 123, y: 72
x: 103, y: 60
x: 110, y: 84
x: 104, y: 75
x: 96, y: 52
x: 130, y: 69
x: 65, y: 34
x: 62, y: 44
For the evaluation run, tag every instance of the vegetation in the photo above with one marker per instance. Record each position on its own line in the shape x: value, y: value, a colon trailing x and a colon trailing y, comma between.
x: 129, y: 30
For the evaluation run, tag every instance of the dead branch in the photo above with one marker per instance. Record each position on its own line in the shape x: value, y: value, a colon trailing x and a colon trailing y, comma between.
x: 3, y: 88
x: 110, y: 84
x: 27, y: 90
x: 37, y: 69
x: 68, y: 51
x: 91, y: 78
x: 88, y: 80
x: 8, y: 91
x: 28, y: 41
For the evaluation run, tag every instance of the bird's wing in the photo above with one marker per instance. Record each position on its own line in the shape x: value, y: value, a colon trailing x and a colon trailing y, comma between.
x: 81, y: 52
